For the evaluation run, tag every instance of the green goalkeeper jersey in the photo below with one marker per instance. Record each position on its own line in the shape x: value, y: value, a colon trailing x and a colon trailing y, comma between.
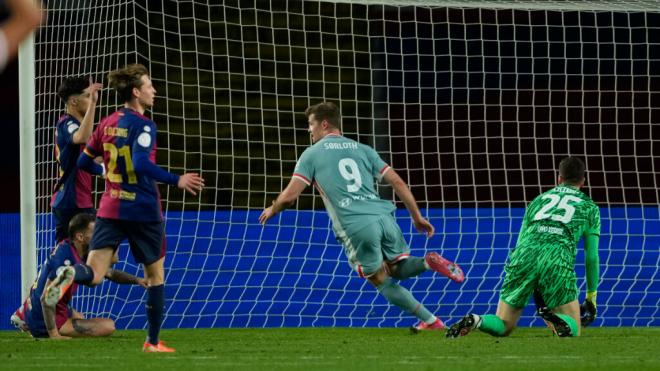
x: 558, y: 218
x: 343, y: 172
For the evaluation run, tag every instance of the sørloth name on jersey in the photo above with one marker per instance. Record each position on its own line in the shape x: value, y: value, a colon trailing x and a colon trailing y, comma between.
x: 350, y: 145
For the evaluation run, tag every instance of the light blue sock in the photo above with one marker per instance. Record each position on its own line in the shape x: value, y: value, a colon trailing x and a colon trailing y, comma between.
x: 402, y: 298
x: 411, y: 267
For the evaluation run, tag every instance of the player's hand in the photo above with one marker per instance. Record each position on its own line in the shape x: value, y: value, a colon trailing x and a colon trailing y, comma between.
x: 266, y: 214
x: 191, y: 182
x: 57, y: 336
x: 142, y: 282
x: 94, y: 88
x: 423, y: 226
x: 588, y: 310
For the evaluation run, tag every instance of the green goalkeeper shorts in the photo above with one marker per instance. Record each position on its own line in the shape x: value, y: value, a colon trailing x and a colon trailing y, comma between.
x: 551, y: 270
x: 381, y: 240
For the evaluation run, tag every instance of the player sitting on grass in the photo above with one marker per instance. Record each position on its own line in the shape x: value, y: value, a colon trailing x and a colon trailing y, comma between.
x: 343, y: 172
x: 58, y: 320
x: 544, y: 260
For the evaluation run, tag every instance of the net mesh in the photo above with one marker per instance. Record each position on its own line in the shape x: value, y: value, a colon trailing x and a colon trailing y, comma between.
x: 474, y: 104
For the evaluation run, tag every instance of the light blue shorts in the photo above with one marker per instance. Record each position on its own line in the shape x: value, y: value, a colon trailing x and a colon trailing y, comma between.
x: 380, y: 241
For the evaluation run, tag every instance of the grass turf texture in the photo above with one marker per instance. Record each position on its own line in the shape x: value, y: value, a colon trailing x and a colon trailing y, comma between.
x: 339, y: 348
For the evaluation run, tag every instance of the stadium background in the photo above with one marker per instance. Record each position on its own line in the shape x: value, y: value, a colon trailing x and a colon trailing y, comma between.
x: 499, y: 140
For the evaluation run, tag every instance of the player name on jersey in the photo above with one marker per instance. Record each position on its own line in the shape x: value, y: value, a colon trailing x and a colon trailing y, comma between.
x: 340, y: 145
x: 115, y: 132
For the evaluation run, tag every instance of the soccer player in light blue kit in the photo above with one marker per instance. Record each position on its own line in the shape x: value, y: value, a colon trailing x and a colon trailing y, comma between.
x: 343, y: 172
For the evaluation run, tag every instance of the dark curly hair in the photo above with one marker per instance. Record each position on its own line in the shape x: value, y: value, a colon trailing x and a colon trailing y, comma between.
x: 73, y: 85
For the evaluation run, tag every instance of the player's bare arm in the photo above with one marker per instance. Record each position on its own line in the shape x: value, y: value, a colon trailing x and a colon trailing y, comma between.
x: 403, y: 192
x: 285, y: 199
x: 83, y: 134
x: 122, y: 277
x: 49, y: 318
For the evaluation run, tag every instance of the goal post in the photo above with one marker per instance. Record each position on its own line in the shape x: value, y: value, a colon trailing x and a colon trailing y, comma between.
x: 28, y: 197
x: 473, y: 103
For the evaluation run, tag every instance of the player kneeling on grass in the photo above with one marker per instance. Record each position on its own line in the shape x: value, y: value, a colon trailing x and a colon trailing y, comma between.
x: 343, y: 172
x: 544, y: 260
x: 53, y: 317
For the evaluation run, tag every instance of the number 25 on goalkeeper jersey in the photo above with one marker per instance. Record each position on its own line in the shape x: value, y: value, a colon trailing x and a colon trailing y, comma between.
x: 558, y: 218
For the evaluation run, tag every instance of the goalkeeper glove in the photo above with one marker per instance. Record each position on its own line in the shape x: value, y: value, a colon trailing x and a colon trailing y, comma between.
x: 588, y: 309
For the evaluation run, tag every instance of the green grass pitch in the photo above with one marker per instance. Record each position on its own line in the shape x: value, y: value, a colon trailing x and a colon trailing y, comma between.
x: 339, y: 349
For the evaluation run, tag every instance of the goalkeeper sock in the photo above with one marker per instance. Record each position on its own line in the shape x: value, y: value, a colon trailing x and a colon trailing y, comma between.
x: 410, y: 267
x: 84, y: 274
x: 402, y: 298
x: 155, y: 307
x: 491, y: 324
x: 570, y: 322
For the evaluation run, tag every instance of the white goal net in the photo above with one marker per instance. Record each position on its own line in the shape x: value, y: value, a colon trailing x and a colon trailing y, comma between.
x: 473, y: 103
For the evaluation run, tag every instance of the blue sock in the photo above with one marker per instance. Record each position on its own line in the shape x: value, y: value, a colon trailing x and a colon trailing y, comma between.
x: 155, y: 307
x: 411, y: 267
x: 84, y: 274
x: 402, y: 298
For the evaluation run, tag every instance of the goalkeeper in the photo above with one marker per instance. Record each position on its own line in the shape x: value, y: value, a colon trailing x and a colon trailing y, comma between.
x: 544, y: 260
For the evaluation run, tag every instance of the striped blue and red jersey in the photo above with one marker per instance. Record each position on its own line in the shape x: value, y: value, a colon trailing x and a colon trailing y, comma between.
x: 64, y: 254
x: 74, y: 187
x: 121, y: 139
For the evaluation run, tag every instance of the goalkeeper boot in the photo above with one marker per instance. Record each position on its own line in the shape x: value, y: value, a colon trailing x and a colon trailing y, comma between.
x: 59, y: 286
x: 157, y: 348
x: 555, y: 323
x: 423, y: 326
x: 462, y: 327
x: 18, y: 320
x: 445, y: 267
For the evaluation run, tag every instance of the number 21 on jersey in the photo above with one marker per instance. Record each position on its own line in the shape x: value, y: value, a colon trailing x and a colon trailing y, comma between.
x: 115, y: 153
x: 556, y: 206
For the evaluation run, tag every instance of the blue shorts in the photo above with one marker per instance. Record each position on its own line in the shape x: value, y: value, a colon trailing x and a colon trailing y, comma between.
x: 62, y: 219
x: 146, y: 239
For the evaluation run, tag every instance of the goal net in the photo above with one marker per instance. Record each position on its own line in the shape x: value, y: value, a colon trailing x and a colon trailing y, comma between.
x: 473, y: 103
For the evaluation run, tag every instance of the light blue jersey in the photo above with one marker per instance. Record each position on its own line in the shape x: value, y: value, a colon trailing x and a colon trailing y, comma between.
x: 344, y: 172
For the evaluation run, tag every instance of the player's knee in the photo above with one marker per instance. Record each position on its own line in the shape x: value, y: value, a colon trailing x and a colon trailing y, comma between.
x: 155, y: 281
x: 377, y: 278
